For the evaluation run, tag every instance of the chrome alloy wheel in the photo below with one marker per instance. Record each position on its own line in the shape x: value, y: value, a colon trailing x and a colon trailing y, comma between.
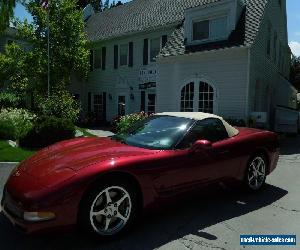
x: 256, y: 173
x: 110, y: 210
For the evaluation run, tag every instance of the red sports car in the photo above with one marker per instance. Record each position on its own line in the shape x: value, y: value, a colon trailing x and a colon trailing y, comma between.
x: 102, y: 184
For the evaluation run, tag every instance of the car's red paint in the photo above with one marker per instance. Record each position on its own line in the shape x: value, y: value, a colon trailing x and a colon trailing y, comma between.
x: 56, y: 178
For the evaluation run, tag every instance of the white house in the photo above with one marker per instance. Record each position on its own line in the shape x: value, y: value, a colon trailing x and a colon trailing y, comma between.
x: 228, y: 57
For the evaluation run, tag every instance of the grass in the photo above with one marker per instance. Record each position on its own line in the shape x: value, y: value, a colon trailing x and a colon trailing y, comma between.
x: 11, y: 154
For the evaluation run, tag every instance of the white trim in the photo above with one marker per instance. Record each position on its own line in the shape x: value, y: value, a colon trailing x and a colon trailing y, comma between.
x: 168, y: 58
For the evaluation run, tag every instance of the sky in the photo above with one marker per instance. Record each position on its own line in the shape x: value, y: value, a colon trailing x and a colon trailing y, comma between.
x: 293, y: 12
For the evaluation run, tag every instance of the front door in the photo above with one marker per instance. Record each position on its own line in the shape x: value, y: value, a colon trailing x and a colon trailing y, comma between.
x: 121, y: 105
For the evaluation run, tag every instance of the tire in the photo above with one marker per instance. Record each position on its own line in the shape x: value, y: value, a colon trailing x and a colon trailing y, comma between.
x: 256, y: 172
x: 109, y: 209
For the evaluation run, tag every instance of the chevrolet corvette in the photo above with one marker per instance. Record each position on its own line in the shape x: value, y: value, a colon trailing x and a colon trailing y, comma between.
x: 103, y: 184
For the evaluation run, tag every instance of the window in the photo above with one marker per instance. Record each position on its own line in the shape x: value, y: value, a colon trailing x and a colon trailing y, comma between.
x: 154, y: 48
x: 211, y: 129
x: 98, y: 106
x: 201, y: 30
x: 275, y: 47
x: 269, y: 39
x: 97, y: 59
x: 187, y: 98
x: 206, y: 98
x: 210, y: 29
x: 156, y: 132
x: 151, y: 103
x: 198, y: 97
x: 123, y: 54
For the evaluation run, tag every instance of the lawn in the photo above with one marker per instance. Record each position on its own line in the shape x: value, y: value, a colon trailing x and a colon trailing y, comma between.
x: 11, y: 154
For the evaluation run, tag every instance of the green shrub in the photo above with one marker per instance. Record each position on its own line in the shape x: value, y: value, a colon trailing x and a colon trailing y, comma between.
x: 48, y: 130
x: 15, y: 123
x: 9, y: 100
x: 60, y: 104
x: 122, y: 124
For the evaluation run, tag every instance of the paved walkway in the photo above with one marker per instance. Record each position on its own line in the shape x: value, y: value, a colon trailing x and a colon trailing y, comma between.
x: 100, y: 133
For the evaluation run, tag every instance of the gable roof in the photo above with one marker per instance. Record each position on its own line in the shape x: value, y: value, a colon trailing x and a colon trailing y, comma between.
x: 244, y: 34
x: 143, y: 15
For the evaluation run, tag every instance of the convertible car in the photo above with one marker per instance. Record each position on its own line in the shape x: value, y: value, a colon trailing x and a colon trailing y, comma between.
x: 103, y: 184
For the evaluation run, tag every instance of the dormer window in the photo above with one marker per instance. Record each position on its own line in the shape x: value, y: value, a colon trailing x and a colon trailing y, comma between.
x: 213, y: 29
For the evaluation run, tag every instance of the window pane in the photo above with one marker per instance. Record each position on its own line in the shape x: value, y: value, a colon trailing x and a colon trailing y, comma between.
x: 154, y: 48
x: 201, y: 30
x: 123, y: 54
x: 187, y: 98
x: 206, y: 98
x: 218, y: 28
x: 97, y: 59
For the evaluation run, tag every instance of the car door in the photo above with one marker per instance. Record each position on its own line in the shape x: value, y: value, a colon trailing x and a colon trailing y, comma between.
x: 224, y: 149
x: 185, y: 169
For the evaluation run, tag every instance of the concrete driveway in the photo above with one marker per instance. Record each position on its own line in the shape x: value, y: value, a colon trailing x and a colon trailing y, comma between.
x: 203, y: 223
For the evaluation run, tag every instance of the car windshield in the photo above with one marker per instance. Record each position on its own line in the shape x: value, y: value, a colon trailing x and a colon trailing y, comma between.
x: 156, y: 132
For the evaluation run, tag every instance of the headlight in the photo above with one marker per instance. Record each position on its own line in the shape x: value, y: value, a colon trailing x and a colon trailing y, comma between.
x: 38, y: 216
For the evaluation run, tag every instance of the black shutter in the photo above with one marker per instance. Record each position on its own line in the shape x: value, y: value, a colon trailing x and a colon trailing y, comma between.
x: 116, y: 56
x: 89, y: 102
x: 104, y: 106
x: 91, y: 60
x: 146, y: 51
x: 143, y: 101
x: 130, y: 63
x: 164, y: 40
x: 103, y: 58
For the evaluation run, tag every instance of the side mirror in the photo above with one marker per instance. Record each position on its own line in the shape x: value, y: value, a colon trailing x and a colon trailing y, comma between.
x: 201, y: 145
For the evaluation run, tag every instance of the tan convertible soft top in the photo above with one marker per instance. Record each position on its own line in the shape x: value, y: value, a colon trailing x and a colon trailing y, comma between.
x: 201, y: 116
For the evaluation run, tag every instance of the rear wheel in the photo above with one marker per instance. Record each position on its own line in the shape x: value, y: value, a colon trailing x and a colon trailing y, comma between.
x: 255, y: 176
x: 109, y: 209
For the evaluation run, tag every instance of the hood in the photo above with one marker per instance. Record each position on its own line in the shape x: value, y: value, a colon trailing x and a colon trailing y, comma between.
x: 76, y: 154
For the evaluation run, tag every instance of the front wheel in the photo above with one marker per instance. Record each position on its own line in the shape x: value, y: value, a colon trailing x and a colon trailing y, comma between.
x: 255, y: 176
x: 109, y: 209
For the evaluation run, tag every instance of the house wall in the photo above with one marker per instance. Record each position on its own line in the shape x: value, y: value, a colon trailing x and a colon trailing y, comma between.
x: 268, y: 85
x: 226, y: 70
x: 122, y: 81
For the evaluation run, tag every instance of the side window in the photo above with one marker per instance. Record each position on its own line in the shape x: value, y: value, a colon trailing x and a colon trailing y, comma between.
x: 211, y: 129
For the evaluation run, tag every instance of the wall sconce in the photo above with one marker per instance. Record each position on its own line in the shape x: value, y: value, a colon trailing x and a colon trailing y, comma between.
x: 110, y: 96
x: 132, y: 97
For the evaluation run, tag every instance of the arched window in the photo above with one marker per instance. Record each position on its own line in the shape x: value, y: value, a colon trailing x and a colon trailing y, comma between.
x: 187, y: 98
x: 206, y: 98
x: 198, y: 97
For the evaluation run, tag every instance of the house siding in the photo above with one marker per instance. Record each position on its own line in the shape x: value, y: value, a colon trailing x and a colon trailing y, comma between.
x: 121, y: 81
x: 269, y: 85
x: 226, y: 70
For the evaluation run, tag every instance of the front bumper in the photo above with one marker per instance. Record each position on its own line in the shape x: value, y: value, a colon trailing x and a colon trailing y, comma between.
x: 14, y: 212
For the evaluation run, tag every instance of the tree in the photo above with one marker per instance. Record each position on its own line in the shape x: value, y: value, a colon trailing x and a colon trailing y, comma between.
x: 295, y: 72
x: 6, y: 12
x: 106, y: 5
x: 68, y: 48
x: 97, y: 5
